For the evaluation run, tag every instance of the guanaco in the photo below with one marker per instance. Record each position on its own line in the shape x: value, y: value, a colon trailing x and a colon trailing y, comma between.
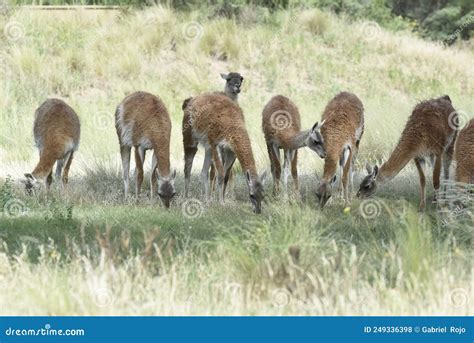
x: 232, y: 89
x: 342, y: 131
x: 464, y: 154
x: 56, y: 133
x: 429, y: 132
x: 218, y: 124
x: 282, y: 129
x: 142, y: 121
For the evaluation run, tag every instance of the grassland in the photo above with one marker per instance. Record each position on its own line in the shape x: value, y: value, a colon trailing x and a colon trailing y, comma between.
x: 95, y: 253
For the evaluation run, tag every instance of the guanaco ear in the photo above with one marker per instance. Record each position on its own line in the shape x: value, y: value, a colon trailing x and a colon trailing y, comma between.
x: 247, y: 177
x: 369, y: 169
x: 30, y: 177
x: 225, y: 76
x: 376, y: 171
x: 317, y: 126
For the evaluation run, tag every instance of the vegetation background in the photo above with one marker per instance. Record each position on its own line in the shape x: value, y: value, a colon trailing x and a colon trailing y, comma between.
x: 92, y: 252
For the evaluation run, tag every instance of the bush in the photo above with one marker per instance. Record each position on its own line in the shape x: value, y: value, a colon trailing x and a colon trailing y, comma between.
x: 441, y: 24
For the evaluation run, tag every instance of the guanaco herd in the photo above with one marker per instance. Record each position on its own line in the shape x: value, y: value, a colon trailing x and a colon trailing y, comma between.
x: 216, y: 122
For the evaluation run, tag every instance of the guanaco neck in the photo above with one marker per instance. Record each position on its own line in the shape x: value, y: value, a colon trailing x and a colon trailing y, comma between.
x: 230, y: 93
x: 243, y: 151
x: 401, y: 155
x: 330, y: 167
x: 299, y: 140
x: 162, y: 154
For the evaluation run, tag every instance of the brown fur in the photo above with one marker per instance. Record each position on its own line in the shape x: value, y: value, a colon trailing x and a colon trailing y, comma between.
x: 464, y: 154
x: 56, y: 132
x: 283, y: 136
x: 218, y: 122
x: 190, y: 149
x: 343, y: 129
x: 142, y: 121
x: 427, y: 133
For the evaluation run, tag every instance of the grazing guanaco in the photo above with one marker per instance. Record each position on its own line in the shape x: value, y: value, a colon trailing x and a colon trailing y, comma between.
x: 281, y: 126
x: 342, y: 131
x: 429, y: 132
x: 218, y: 124
x: 142, y: 121
x: 464, y: 154
x: 232, y: 89
x: 56, y: 133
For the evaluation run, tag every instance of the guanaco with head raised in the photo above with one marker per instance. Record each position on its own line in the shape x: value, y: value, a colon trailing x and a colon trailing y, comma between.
x: 218, y: 124
x: 142, y: 121
x: 429, y: 132
x: 232, y: 89
x: 282, y: 129
x: 56, y: 133
x: 464, y: 154
x: 342, y: 131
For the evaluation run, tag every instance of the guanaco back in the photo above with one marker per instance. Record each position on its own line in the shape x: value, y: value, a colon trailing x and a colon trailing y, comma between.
x: 429, y: 132
x: 282, y: 129
x: 342, y: 131
x: 143, y: 122
x: 218, y: 124
x: 56, y: 131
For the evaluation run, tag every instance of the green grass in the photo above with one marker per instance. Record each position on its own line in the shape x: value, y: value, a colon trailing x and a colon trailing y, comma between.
x: 104, y: 256
x: 95, y: 253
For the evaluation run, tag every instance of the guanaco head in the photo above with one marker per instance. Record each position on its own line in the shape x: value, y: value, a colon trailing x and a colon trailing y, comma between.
x: 368, y: 186
x: 31, y: 183
x: 256, y: 192
x: 315, y: 140
x: 233, y: 83
x: 324, y: 191
x: 166, y: 190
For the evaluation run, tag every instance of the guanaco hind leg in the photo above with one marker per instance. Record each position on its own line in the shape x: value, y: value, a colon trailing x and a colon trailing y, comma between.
x: 139, y: 158
x: 420, y: 166
x: 125, y: 153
